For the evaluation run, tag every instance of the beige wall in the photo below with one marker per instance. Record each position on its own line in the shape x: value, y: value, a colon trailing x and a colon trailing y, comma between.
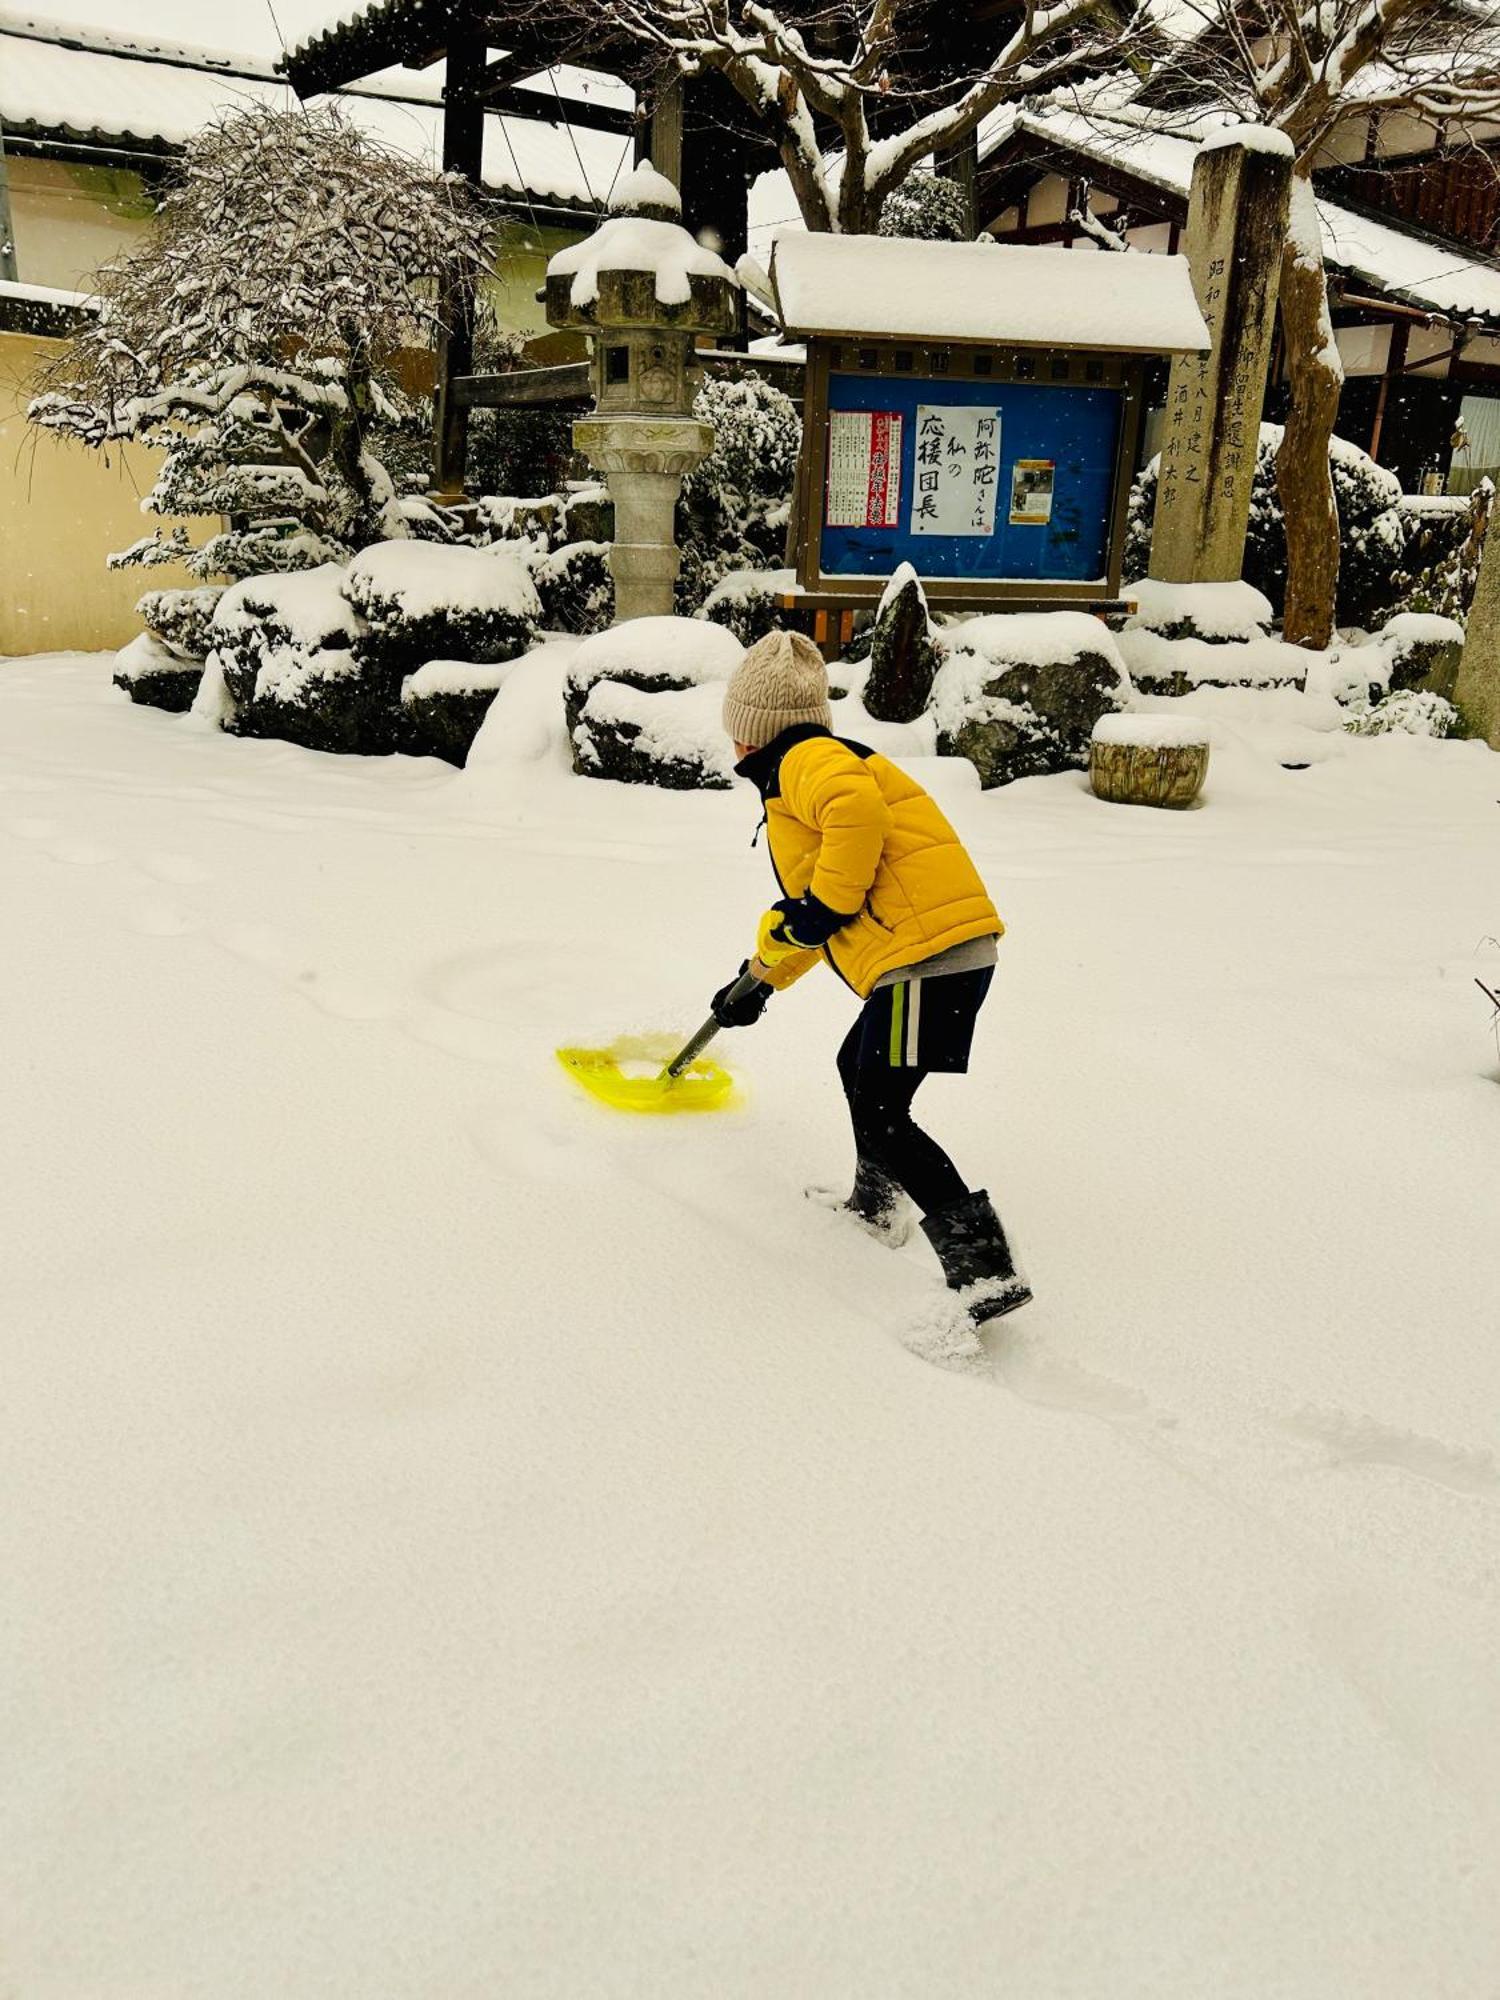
x: 62, y: 510
x: 69, y: 220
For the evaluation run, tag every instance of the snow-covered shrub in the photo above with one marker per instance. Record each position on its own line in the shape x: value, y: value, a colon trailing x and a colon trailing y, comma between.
x: 1371, y: 522
x: 1177, y: 666
x: 1444, y: 541
x: 748, y: 602
x: 156, y: 677
x: 418, y: 602
x: 444, y: 703
x: 253, y: 333
x: 1408, y: 712
x: 1423, y: 651
x: 181, y: 619
x: 735, y: 505
x: 1214, y: 612
x: 576, y: 588
x: 1018, y: 694
x: 929, y: 207
x: 614, y: 683
x: 673, y: 739
x: 284, y: 650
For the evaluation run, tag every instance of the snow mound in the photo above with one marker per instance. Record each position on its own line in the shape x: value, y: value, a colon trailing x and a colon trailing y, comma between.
x: 686, y: 651
x: 455, y: 677
x: 644, y: 188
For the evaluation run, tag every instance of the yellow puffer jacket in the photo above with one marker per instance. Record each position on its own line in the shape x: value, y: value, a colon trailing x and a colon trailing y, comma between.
x: 849, y: 827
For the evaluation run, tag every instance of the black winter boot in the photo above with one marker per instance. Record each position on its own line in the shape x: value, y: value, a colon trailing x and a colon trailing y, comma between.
x: 976, y: 1260
x: 876, y: 1201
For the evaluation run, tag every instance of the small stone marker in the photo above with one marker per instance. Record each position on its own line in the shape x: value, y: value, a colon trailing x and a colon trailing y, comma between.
x: 1237, y: 219
x: 1148, y: 760
x: 1476, y: 691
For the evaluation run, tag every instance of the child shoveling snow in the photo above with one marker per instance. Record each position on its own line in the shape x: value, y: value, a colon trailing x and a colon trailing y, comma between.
x: 875, y: 880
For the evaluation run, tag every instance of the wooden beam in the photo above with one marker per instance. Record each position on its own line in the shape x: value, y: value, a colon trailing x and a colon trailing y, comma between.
x: 463, y: 153
x: 524, y: 388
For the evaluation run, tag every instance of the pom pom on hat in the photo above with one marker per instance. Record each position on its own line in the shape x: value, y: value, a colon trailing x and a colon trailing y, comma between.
x: 780, y: 682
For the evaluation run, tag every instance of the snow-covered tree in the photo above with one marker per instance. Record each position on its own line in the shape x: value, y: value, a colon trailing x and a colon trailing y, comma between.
x: 927, y: 207
x: 252, y: 334
x: 843, y: 89
x: 1304, y: 68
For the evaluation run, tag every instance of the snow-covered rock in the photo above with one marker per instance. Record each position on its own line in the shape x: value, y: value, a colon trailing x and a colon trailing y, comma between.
x: 1018, y: 694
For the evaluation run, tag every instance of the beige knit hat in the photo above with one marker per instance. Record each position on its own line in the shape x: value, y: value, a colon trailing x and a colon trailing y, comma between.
x: 780, y: 681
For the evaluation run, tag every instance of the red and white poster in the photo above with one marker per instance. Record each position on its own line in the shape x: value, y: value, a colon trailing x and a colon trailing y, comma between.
x: 864, y: 469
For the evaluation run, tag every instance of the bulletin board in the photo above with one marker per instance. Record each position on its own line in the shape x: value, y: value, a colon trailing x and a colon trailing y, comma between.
x: 968, y: 479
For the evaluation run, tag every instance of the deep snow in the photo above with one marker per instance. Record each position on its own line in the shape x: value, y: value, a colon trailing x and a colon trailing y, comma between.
x: 457, y: 1542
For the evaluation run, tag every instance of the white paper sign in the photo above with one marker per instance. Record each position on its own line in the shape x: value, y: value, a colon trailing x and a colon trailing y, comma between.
x: 864, y: 469
x: 958, y: 469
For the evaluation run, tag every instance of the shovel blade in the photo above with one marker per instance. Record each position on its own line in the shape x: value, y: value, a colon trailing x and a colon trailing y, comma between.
x: 607, y: 1075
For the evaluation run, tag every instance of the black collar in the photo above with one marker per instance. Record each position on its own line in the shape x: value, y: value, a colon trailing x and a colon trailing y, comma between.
x: 763, y: 767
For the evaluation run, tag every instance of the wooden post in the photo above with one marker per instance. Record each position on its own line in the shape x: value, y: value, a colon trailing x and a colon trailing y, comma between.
x: 664, y: 133
x: 1476, y: 692
x: 8, y: 270
x: 1237, y: 219
x: 463, y: 153
x: 961, y: 166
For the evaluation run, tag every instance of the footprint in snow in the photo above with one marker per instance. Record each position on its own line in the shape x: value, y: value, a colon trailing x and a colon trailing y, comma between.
x: 1351, y: 1441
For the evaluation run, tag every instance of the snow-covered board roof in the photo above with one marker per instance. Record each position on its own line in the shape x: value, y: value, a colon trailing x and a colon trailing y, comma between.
x: 102, y: 86
x: 895, y: 288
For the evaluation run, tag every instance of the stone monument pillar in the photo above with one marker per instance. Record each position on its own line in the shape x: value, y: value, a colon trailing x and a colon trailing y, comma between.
x: 1237, y: 218
x: 1476, y: 692
x: 643, y: 291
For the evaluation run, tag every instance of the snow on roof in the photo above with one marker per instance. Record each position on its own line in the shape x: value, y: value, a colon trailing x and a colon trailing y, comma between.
x: 1441, y: 278
x: 1040, y: 297
x: 1436, y: 276
x: 42, y: 295
x: 159, y: 95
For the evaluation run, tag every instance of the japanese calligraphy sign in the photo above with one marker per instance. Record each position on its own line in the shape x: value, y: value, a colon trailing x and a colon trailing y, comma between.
x: 958, y: 469
x: 864, y: 469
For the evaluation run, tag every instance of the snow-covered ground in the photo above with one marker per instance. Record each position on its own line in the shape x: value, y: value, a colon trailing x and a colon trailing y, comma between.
x: 457, y: 1541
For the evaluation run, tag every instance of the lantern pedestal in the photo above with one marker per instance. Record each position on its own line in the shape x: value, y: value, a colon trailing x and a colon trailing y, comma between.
x: 644, y: 461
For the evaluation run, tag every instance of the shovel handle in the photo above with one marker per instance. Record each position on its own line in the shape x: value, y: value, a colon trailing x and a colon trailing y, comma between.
x: 741, y: 990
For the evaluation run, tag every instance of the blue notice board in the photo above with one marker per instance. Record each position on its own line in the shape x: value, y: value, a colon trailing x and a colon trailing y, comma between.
x: 969, y: 478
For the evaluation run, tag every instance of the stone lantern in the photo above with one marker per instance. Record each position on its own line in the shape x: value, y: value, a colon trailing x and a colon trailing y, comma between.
x: 644, y: 292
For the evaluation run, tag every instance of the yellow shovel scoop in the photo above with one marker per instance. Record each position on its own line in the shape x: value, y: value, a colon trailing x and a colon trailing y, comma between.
x: 685, y: 1083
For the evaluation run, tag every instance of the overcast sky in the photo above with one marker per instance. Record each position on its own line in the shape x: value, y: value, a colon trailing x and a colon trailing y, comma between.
x: 244, y: 26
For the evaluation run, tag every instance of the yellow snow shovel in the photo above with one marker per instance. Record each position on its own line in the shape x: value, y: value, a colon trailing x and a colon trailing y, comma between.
x: 685, y: 1083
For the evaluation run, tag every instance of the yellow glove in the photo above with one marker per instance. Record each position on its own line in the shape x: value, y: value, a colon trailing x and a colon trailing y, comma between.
x: 772, y: 945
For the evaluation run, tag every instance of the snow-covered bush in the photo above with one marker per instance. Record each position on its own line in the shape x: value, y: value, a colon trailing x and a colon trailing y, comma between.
x: 253, y: 334
x: 181, y: 619
x: 1215, y: 612
x: 284, y: 651
x: 1444, y: 541
x: 748, y: 602
x: 156, y: 677
x: 1018, y: 694
x: 417, y: 602
x: 576, y: 588
x: 735, y: 505
x: 1373, y: 528
x: 1408, y: 712
x: 444, y: 703
x: 620, y: 698
x: 1423, y: 651
x: 929, y: 207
